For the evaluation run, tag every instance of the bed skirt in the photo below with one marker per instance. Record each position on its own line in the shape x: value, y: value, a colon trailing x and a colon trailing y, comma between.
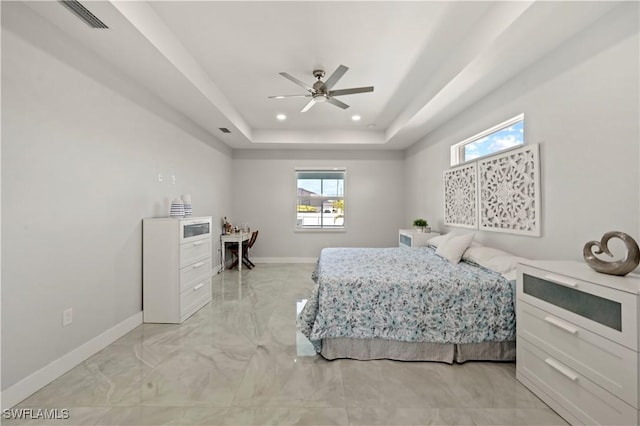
x: 368, y: 349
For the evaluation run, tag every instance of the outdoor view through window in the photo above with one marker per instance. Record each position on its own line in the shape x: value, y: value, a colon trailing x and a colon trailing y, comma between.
x: 320, y: 199
x: 503, y: 136
x: 495, y: 142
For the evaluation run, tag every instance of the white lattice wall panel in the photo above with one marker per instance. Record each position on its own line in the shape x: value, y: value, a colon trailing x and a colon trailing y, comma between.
x: 509, y: 192
x: 460, y: 197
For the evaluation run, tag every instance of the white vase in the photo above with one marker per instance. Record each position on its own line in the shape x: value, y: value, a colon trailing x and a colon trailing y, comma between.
x: 186, y: 200
x: 177, y: 208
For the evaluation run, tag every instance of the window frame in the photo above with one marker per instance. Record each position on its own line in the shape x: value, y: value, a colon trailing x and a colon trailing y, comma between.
x: 321, y: 198
x: 457, y: 149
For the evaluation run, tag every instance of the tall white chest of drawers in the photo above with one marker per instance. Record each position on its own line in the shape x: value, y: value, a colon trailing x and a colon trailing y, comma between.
x: 176, y: 268
x: 578, y: 341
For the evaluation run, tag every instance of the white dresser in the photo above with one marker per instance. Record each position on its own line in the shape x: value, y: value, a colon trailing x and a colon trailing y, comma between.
x: 176, y: 268
x: 414, y: 238
x: 578, y: 341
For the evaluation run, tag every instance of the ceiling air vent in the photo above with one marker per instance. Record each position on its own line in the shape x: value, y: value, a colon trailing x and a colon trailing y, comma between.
x: 224, y: 130
x: 83, y: 13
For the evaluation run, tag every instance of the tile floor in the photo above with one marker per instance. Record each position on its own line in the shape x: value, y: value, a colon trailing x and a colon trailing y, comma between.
x: 240, y: 361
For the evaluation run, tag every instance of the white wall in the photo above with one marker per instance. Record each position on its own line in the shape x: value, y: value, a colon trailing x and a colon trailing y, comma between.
x: 79, y: 172
x: 265, y: 197
x: 581, y: 104
x: 82, y: 149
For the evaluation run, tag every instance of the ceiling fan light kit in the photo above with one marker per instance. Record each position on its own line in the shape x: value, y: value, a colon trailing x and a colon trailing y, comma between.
x: 321, y: 90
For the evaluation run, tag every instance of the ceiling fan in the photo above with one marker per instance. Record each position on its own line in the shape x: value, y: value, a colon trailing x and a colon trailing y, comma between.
x: 321, y: 90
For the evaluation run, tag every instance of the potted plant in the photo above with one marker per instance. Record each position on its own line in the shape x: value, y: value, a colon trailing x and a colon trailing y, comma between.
x: 422, y: 225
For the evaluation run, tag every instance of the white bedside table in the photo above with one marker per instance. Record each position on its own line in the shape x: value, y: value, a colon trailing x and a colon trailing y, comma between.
x: 414, y: 238
x: 578, y: 341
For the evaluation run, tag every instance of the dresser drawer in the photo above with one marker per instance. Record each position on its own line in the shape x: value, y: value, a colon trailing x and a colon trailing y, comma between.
x: 194, y: 297
x: 194, y: 251
x: 194, y: 272
x: 564, y: 388
x: 602, y: 361
x: 605, y: 311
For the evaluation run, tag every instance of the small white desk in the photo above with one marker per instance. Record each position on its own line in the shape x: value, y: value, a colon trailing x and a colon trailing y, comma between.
x: 236, y: 237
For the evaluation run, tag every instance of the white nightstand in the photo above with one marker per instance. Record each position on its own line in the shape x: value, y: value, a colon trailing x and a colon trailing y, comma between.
x: 414, y: 238
x: 578, y: 342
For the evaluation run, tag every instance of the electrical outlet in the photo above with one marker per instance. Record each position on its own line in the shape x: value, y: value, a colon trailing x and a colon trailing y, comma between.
x: 160, y: 177
x: 67, y: 317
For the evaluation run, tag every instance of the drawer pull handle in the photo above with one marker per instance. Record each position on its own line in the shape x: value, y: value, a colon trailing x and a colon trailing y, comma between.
x: 197, y: 265
x: 198, y: 287
x: 561, y: 325
x: 197, y: 243
x: 562, y: 369
x: 562, y: 281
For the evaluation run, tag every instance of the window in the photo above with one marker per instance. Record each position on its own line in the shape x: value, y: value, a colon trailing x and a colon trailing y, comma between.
x: 320, y: 199
x: 504, y: 136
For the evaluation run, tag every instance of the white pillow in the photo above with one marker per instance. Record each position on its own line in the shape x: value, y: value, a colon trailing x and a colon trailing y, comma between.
x: 453, y: 247
x: 493, y: 259
x: 436, y: 241
x: 480, y: 254
x: 503, y: 264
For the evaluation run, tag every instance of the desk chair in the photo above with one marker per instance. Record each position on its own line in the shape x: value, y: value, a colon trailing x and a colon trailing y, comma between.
x: 246, y: 246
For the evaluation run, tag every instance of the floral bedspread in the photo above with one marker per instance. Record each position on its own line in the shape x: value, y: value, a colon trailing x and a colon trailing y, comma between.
x: 406, y: 294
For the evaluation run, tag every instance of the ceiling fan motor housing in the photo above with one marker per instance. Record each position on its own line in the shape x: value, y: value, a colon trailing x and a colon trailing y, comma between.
x: 318, y: 74
x: 319, y: 87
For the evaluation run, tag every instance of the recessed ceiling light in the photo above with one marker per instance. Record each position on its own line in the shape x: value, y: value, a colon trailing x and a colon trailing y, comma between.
x: 281, y: 117
x: 371, y: 126
x: 355, y: 117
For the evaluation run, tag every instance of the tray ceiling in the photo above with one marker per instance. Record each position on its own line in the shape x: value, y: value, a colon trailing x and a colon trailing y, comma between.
x: 216, y: 62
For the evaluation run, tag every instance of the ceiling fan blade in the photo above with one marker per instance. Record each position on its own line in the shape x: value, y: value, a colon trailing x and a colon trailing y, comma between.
x: 296, y: 81
x: 308, y: 106
x: 337, y: 75
x: 289, y: 96
x: 337, y: 103
x: 353, y: 91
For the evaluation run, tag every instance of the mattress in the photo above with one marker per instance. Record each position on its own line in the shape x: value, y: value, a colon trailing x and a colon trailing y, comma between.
x: 370, y: 298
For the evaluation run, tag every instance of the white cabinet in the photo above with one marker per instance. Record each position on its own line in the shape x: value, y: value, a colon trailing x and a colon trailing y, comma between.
x: 577, y: 341
x: 414, y: 238
x: 176, y: 268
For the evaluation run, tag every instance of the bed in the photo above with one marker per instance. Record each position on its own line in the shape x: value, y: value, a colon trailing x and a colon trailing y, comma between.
x: 411, y: 304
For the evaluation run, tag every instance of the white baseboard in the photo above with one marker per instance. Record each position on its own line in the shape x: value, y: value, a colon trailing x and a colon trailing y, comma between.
x: 30, y: 384
x: 284, y: 259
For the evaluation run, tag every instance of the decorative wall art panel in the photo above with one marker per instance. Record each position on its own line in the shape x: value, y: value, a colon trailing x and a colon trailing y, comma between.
x: 461, y: 196
x: 509, y: 192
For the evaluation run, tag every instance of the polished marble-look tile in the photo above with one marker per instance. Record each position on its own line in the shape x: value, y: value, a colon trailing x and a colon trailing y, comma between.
x: 198, y: 375
x: 258, y: 416
x: 112, y: 377
x: 240, y: 361
x: 383, y: 416
x: 489, y: 385
x: 373, y: 416
x: 384, y: 383
x: 275, y: 378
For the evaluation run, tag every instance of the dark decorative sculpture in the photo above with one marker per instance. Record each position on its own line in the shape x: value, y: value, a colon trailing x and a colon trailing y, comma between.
x: 619, y: 267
